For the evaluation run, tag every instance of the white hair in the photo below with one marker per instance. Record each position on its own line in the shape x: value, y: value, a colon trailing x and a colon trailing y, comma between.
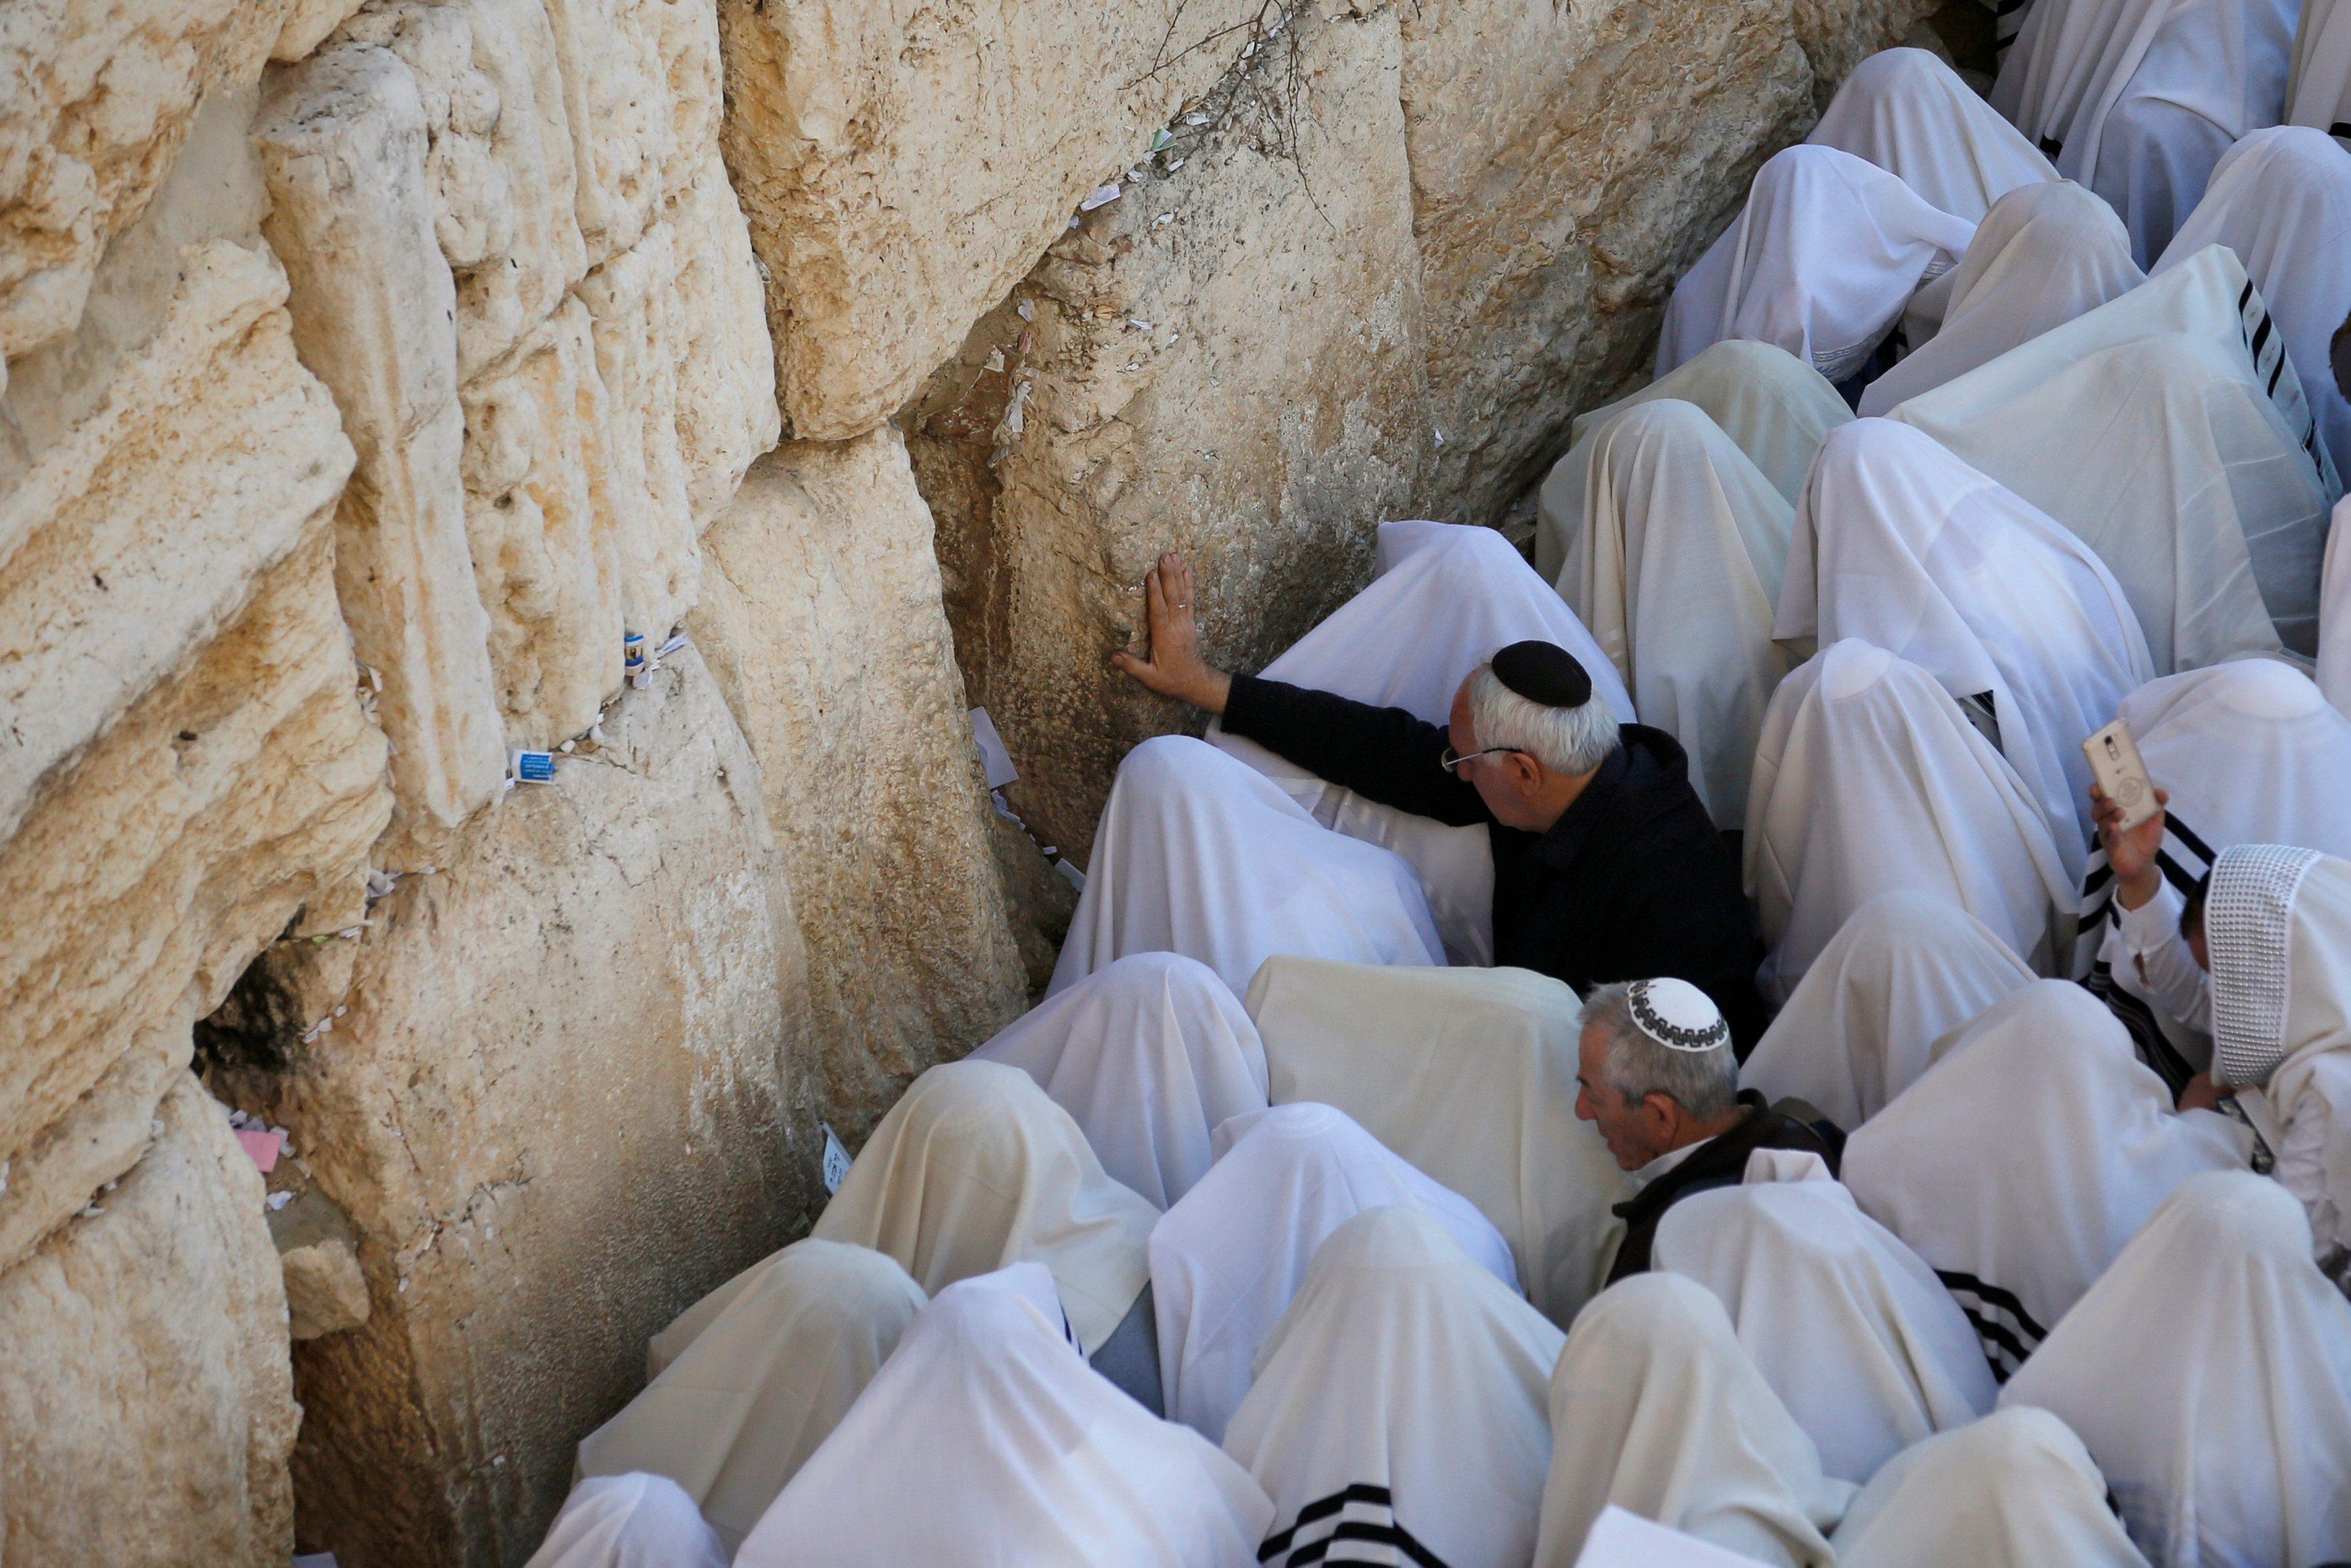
x: 1705, y: 1083
x: 1569, y: 741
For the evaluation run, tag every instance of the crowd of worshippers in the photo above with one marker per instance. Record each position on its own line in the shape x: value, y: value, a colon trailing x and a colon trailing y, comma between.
x: 1668, y: 1038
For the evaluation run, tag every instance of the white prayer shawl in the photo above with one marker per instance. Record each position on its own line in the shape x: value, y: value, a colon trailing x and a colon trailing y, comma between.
x: 2318, y: 93
x: 1676, y: 571
x: 628, y: 1522
x: 1446, y: 599
x: 1908, y: 112
x: 1147, y: 1054
x: 2143, y: 428
x: 1905, y: 971
x: 2016, y: 1489
x: 1656, y: 1408
x: 1471, y: 1076
x: 2209, y: 1372
x: 1200, y: 854
x: 1850, y: 1328
x: 2138, y: 99
x: 1227, y: 1260
x: 2046, y: 253
x: 2281, y: 201
x: 2022, y: 1162
x: 1903, y: 545
x: 1868, y: 778
x: 986, y: 1442
x: 2250, y: 753
x: 1826, y: 253
x: 1772, y: 404
x: 740, y: 1405
x: 975, y: 1168
x: 1404, y: 1390
x: 2335, y: 614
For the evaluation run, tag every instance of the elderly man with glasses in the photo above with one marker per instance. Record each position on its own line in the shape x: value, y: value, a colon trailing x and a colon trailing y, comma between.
x: 1606, y: 867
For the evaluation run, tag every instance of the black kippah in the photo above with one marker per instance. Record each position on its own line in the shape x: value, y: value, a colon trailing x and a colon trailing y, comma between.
x: 1543, y: 672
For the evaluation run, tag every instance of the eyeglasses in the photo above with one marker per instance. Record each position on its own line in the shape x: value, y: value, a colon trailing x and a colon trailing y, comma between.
x: 1450, y: 762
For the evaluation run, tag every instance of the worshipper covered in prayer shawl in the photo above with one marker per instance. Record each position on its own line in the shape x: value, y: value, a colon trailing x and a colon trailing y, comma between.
x: 1849, y: 1327
x: 986, y: 1442
x: 1149, y: 1057
x: 975, y: 1168
x: 628, y: 1522
x: 750, y: 1379
x: 1606, y: 866
x: 1656, y: 1408
x: 2318, y: 93
x: 2273, y: 925
x: 2209, y: 1372
x: 1909, y: 113
x: 1399, y: 1414
x: 2335, y: 592
x: 2022, y: 1163
x: 1658, y: 1078
x: 2016, y: 1489
x: 1226, y: 1260
x: 1905, y: 971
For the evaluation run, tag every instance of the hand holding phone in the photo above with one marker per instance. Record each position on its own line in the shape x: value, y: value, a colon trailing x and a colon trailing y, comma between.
x: 2121, y: 776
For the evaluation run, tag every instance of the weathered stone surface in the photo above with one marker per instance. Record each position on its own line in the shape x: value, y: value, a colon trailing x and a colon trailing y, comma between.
x: 550, y: 1086
x: 904, y: 163
x: 372, y: 299
x: 820, y: 617
x: 146, y: 1407
x: 325, y: 1291
x: 96, y: 97
x: 1265, y: 420
x: 187, y: 766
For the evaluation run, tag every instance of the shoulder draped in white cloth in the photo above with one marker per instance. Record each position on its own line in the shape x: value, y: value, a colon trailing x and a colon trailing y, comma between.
x: 1227, y: 1260
x: 974, y: 1168
x: 1821, y: 261
x: 2021, y: 1163
x: 628, y: 1522
x: 1471, y: 1076
x: 1909, y: 113
x: 1868, y: 778
x: 2318, y: 93
x: 1200, y: 854
x: 747, y: 1391
x: 1148, y: 1054
x: 1856, y: 1334
x: 2335, y: 614
x: 1774, y: 406
x: 1906, y: 969
x: 2281, y: 201
x: 2016, y: 1489
x: 1676, y: 569
x: 2278, y: 925
x: 1903, y: 545
x: 2251, y: 753
x: 2138, y: 99
x: 1400, y: 1399
x: 2045, y: 254
x: 1656, y: 1408
x: 2156, y: 429
x: 986, y: 1440
x: 2208, y: 1372
x: 1447, y: 599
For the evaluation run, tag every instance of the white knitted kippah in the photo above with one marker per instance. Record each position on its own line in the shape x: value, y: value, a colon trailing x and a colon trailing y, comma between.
x: 1677, y: 1014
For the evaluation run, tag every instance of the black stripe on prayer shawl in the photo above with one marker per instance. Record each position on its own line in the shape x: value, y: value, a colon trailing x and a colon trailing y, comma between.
x: 2139, y: 1021
x: 2341, y: 128
x: 1394, y: 1542
x: 1323, y: 1508
x: 2051, y: 147
x: 2260, y: 334
x: 2005, y: 1344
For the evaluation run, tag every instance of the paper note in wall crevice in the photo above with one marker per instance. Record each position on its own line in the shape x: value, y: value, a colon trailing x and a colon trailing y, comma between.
x: 992, y: 752
x: 836, y: 1160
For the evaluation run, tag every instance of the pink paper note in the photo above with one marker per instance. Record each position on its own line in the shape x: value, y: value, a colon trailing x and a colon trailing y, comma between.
x: 264, y: 1146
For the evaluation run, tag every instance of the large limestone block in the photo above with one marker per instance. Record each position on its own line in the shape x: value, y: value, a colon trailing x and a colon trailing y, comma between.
x: 1265, y: 420
x: 96, y: 99
x: 146, y: 1403
x: 555, y: 1087
x: 343, y: 138
x: 904, y: 163
x: 821, y: 617
x: 188, y: 765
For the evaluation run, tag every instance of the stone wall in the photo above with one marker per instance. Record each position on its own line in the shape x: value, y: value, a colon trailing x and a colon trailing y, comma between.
x: 373, y: 371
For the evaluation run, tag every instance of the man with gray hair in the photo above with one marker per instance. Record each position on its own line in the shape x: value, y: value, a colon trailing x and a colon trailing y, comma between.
x: 1656, y: 1072
x: 1606, y: 867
